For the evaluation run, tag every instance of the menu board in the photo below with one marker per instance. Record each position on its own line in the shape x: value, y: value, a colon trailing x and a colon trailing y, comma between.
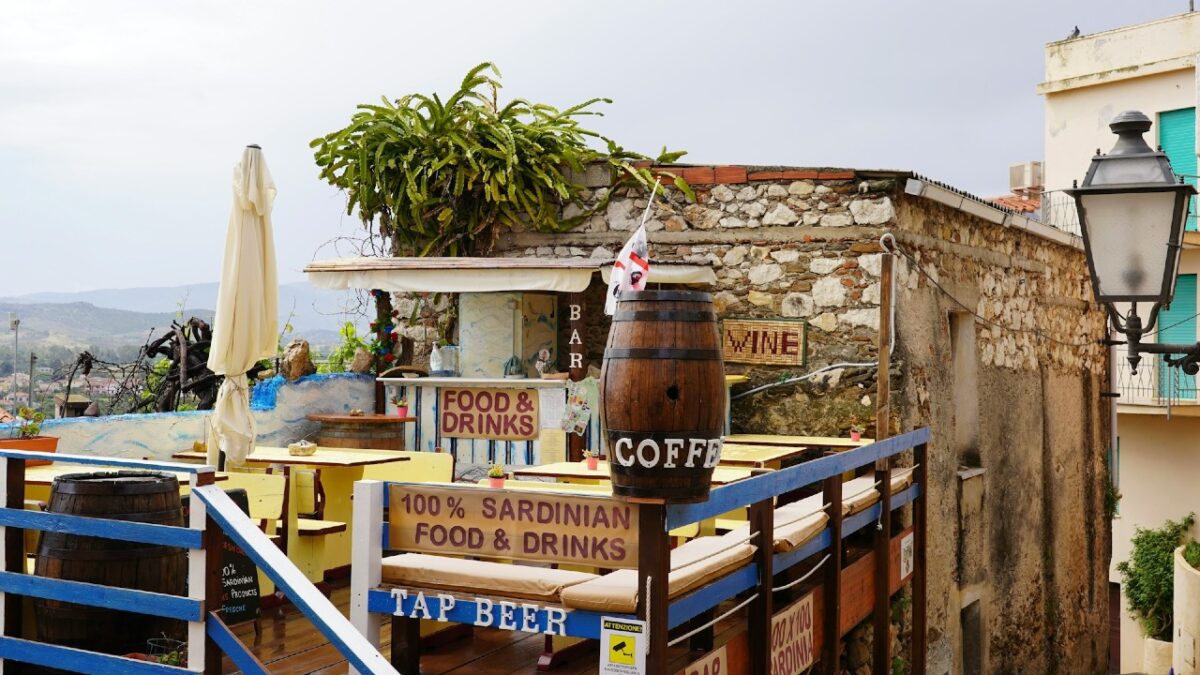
x: 240, y: 594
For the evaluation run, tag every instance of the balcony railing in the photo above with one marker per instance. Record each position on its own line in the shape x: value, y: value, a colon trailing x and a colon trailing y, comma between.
x: 1155, y: 383
x: 1058, y: 211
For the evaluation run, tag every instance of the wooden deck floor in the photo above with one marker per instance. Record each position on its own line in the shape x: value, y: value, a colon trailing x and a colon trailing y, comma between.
x: 291, y: 644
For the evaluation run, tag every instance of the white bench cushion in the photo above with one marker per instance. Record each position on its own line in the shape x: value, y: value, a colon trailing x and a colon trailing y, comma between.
x: 795, y: 524
x: 420, y: 570
x: 696, y: 563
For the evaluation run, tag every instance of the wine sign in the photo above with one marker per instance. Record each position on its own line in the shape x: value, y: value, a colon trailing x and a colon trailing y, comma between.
x: 774, y: 342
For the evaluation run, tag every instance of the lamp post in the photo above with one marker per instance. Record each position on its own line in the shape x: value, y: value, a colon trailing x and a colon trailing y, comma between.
x: 14, y: 324
x: 1132, y: 210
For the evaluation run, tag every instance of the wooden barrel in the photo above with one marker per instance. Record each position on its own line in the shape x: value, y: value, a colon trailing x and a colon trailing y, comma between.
x: 662, y: 395
x: 126, y: 495
x: 380, y: 432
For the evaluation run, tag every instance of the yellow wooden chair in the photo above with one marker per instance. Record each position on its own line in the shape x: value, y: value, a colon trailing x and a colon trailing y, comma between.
x: 310, y: 496
x: 302, y: 539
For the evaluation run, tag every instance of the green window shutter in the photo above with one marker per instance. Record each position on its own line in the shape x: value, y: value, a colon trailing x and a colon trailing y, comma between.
x: 1177, y: 136
x: 1178, y: 324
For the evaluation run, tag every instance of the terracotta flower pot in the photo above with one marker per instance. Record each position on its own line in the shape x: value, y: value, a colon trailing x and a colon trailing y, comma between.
x: 402, y: 411
x: 593, y: 463
x: 34, y: 444
x: 496, y: 482
x: 856, y: 435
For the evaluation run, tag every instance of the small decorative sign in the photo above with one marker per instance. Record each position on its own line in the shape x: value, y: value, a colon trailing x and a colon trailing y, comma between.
x: 240, y: 599
x: 792, y: 648
x: 774, y: 342
x: 623, y: 644
x: 539, y: 527
x: 500, y: 414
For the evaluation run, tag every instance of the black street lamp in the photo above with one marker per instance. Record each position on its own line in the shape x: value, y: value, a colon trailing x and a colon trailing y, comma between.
x: 1132, y: 210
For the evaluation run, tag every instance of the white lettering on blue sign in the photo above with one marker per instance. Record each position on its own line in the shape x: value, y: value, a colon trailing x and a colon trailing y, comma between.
x: 500, y: 613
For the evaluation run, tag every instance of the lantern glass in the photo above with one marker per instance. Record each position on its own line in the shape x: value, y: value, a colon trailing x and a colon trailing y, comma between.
x: 1127, y: 170
x: 1129, y: 237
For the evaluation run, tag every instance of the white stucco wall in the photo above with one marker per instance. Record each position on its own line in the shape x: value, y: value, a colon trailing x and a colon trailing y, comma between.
x: 1159, y: 463
x: 1088, y: 80
x: 279, y: 411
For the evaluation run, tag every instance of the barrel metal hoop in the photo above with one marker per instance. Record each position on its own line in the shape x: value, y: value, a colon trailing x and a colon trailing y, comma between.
x: 684, y: 296
x: 665, y: 315
x: 666, y: 354
x: 616, y: 434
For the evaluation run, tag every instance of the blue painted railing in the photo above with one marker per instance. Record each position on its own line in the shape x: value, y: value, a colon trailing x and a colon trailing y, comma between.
x: 371, y: 535
x: 212, y: 516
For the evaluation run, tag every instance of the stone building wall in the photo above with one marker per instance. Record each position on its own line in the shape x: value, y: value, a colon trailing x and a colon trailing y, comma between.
x: 1017, y: 476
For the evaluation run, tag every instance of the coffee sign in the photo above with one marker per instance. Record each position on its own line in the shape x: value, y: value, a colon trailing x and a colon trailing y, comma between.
x: 775, y: 342
x: 549, y: 527
x: 500, y: 414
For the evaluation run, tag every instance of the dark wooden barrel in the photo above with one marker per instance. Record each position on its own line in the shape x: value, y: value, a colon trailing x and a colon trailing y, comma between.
x: 662, y: 395
x: 127, y: 495
x: 380, y: 432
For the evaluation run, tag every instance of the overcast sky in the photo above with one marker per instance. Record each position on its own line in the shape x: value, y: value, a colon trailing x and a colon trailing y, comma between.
x: 120, y: 122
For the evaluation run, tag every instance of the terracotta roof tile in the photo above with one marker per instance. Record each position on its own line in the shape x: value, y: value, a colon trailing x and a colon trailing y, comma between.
x: 1019, y: 203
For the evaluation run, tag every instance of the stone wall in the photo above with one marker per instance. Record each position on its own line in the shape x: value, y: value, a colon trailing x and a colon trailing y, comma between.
x: 1016, y: 464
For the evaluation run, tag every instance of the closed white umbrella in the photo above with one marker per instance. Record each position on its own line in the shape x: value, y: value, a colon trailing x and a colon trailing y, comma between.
x: 246, y: 323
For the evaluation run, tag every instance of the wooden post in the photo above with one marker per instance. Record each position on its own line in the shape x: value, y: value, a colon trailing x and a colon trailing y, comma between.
x: 919, y: 645
x: 14, y: 545
x: 883, y: 547
x: 406, y: 644
x: 213, y: 545
x: 832, y: 591
x: 654, y: 563
x: 577, y: 369
x: 883, y: 474
x: 761, y: 610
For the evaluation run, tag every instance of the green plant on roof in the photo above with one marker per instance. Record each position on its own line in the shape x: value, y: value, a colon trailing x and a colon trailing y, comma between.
x: 434, y: 176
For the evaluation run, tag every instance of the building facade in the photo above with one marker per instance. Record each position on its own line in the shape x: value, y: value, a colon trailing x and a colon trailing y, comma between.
x: 996, y: 348
x: 1149, y: 67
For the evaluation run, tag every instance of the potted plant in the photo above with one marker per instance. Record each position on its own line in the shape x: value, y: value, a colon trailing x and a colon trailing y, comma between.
x: 592, y: 457
x: 1186, y: 606
x: 1148, y: 583
x: 401, y: 404
x: 28, y: 436
x: 496, y: 476
x: 856, y: 429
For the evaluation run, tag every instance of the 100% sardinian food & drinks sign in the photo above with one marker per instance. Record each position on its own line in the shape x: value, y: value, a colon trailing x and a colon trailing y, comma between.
x: 549, y: 527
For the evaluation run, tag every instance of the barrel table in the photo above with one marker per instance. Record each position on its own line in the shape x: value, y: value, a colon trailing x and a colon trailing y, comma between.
x: 662, y: 395
x: 143, y: 497
x: 379, y: 432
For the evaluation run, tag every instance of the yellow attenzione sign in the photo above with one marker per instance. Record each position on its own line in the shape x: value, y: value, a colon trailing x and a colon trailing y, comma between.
x: 550, y: 527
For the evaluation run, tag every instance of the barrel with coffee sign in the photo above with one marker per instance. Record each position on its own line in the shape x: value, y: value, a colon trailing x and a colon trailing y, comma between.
x: 662, y: 395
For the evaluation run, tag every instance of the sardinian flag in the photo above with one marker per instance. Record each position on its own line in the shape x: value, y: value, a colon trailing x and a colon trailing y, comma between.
x: 630, y: 270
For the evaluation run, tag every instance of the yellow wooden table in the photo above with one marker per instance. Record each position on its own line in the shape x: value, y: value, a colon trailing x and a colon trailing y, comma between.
x: 577, y: 472
x: 759, y: 456
x: 340, y: 467
x: 38, y: 479
x: 811, y: 441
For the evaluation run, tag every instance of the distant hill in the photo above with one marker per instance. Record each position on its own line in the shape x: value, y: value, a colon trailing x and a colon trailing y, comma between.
x: 124, y: 316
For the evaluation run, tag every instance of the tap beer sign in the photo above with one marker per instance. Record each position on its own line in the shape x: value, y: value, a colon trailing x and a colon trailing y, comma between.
x: 501, y: 414
x: 774, y: 342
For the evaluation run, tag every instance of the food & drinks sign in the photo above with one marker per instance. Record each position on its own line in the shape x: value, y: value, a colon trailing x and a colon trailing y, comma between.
x: 541, y: 527
x: 501, y: 414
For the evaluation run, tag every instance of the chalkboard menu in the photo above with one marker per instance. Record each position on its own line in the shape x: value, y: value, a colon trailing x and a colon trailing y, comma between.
x: 240, y: 600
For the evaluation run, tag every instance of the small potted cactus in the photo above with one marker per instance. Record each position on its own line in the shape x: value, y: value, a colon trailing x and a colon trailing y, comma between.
x: 496, y: 476
x: 592, y: 457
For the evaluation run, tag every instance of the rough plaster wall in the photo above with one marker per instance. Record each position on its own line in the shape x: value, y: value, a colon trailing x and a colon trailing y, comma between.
x: 1034, y: 550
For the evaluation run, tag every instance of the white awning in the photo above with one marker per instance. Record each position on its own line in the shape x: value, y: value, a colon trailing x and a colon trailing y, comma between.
x: 481, y: 275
